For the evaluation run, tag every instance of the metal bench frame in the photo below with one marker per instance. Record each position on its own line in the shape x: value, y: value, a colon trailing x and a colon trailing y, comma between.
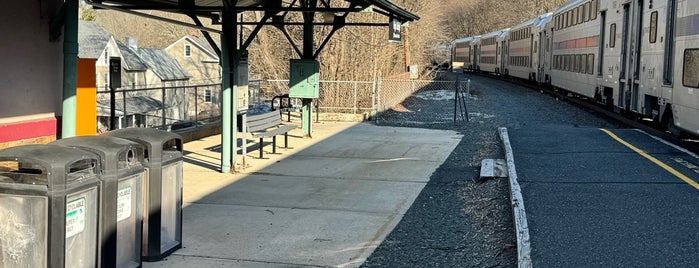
x: 268, y: 125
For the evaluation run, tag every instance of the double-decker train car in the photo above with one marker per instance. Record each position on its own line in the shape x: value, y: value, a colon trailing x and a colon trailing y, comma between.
x: 490, y: 51
x: 463, y: 53
x: 574, y: 40
x: 635, y: 56
x: 678, y: 39
x: 525, y: 49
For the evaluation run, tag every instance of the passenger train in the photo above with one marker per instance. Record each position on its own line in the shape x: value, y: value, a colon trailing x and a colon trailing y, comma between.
x: 634, y: 56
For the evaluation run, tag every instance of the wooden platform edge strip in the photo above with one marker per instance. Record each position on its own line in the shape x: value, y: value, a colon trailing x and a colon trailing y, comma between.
x: 517, y: 202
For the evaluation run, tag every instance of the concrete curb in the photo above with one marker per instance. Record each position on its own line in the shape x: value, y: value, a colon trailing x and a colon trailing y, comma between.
x: 517, y: 202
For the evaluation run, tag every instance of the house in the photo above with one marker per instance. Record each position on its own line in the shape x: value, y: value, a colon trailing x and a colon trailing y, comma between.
x: 158, y: 78
x: 198, y: 58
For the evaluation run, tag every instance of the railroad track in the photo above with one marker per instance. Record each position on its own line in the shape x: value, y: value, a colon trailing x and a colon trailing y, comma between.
x: 632, y: 121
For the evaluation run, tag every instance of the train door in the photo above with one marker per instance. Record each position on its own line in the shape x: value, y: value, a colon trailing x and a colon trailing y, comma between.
x: 629, y: 76
x: 503, y: 57
x: 543, y: 49
x: 475, y: 57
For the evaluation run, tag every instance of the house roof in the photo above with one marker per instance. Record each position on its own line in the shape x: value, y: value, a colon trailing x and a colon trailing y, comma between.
x: 134, y: 105
x: 131, y: 60
x: 201, y: 43
x: 92, y: 39
x: 162, y: 64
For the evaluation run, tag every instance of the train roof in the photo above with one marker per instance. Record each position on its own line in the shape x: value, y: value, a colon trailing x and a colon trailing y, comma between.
x: 499, y: 33
x: 539, y: 22
x: 466, y: 39
x: 569, y: 5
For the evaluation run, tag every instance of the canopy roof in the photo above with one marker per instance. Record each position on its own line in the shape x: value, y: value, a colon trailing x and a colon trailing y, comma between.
x: 213, y: 8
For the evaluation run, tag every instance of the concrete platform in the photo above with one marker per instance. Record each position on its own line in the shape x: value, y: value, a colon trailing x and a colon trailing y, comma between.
x: 593, y: 202
x: 329, y: 201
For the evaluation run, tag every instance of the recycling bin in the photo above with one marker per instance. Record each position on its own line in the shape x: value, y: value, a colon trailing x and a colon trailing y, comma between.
x: 122, y: 175
x: 162, y: 219
x: 49, y: 201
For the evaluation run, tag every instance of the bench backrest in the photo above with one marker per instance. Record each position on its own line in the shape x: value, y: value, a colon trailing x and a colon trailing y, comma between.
x: 261, y: 122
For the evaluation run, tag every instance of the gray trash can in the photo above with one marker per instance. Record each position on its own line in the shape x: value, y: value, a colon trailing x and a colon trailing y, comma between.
x: 162, y: 221
x: 122, y: 178
x: 49, y: 199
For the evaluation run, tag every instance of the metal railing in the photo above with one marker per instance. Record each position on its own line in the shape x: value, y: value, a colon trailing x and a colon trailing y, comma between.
x: 158, y: 107
x: 163, y: 107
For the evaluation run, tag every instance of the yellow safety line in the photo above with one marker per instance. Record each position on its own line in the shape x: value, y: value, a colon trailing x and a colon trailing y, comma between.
x: 654, y: 160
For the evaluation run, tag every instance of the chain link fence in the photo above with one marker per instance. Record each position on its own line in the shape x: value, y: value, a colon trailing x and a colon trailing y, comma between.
x: 422, y: 103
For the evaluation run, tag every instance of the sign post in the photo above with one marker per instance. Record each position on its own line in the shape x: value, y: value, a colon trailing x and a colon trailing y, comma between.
x: 114, y: 83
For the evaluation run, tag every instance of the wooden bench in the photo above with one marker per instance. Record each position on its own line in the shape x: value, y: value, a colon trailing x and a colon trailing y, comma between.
x: 268, y: 125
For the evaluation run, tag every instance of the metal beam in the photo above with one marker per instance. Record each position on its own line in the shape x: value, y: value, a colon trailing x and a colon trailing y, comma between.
x: 316, y: 24
x: 308, y: 53
x: 254, y: 32
x: 207, y: 36
x: 70, y: 69
x: 156, y: 17
x: 228, y: 40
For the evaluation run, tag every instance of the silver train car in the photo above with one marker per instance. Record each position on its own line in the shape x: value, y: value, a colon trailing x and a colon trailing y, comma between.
x: 634, y: 56
x: 491, y: 49
x: 526, y: 49
x: 464, y: 53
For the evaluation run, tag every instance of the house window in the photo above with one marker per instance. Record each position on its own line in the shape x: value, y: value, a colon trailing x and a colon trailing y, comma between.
x: 690, y: 76
x: 207, y: 95
x: 187, y: 50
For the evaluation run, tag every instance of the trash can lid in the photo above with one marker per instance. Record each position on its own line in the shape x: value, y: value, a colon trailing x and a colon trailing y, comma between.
x: 56, y: 164
x: 148, y: 136
x: 114, y: 152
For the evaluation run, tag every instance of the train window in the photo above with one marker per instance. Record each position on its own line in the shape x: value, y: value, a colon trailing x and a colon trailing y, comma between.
x: 557, y: 63
x: 690, y: 76
x: 579, y: 63
x: 560, y: 62
x: 583, y: 64
x: 586, y: 12
x: 571, y: 18
x: 558, y: 22
x: 594, y: 6
x: 590, y: 63
x: 580, y: 14
x: 653, y: 35
x: 612, y: 35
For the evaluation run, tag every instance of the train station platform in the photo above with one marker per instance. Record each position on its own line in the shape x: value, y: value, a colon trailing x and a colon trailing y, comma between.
x: 593, y: 201
x: 327, y: 201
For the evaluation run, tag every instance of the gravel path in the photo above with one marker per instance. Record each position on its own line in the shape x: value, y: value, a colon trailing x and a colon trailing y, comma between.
x: 457, y: 220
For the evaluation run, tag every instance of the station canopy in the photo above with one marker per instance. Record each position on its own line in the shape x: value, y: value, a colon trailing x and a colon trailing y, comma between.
x: 213, y: 8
